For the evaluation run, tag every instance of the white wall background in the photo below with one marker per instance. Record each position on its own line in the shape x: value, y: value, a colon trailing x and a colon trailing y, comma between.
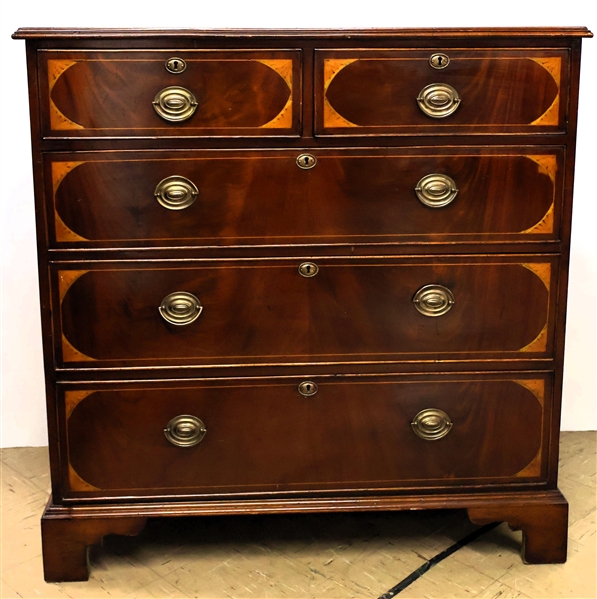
x: 23, y: 402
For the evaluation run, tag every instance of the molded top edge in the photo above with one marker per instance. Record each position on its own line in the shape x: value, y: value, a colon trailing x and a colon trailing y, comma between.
x: 472, y: 32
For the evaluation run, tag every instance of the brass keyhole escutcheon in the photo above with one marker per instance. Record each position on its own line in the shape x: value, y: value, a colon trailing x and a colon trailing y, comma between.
x: 308, y: 269
x: 307, y: 388
x: 438, y: 100
x: 433, y: 300
x: 436, y: 190
x: 439, y: 60
x: 176, y: 65
x: 431, y: 424
x: 306, y: 161
x: 185, y: 431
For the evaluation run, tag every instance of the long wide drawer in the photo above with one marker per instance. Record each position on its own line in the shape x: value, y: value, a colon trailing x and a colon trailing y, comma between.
x: 348, y: 433
x: 170, y: 93
x: 436, y: 91
x: 281, y: 311
x: 232, y: 198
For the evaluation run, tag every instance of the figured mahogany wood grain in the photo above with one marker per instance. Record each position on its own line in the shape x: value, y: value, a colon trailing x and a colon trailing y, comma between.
x: 266, y: 436
x: 505, y: 91
x: 255, y: 198
x: 238, y: 93
x: 267, y: 312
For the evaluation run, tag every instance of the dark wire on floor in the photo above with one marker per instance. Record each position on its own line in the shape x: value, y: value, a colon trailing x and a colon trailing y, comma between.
x: 437, y: 559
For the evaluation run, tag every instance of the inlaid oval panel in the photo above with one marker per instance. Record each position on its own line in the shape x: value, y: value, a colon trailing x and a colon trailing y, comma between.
x: 132, y: 94
x: 254, y: 198
x: 394, y: 91
x: 267, y: 312
x: 268, y: 437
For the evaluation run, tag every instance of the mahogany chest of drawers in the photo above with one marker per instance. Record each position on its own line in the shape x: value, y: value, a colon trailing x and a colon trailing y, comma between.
x: 300, y: 271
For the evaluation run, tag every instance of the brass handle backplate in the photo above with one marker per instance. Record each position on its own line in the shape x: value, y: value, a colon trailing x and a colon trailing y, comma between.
x: 306, y: 161
x: 176, y: 193
x: 180, y: 308
x: 308, y: 269
x: 307, y: 388
x: 431, y: 424
x: 185, y: 431
x: 175, y: 104
x: 438, y: 100
x: 436, y: 190
x: 433, y: 300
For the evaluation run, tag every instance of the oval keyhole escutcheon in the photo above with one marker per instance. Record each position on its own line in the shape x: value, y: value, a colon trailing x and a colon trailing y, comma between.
x: 308, y: 269
x: 306, y: 161
x: 439, y: 60
x: 307, y: 388
x: 176, y: 65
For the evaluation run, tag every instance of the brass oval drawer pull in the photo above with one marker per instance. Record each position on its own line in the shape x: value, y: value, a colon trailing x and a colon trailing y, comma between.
x: 431, y: 424
x: 433, y: 300
x: 436, y: 190
x: 306, y: 161
x: 307, y: 388
x: 308, y: 269
x: 185, y: 431
x: 180, y: 308
x: 438, y: 100
x: 175, y: 192
x: 175, y: 103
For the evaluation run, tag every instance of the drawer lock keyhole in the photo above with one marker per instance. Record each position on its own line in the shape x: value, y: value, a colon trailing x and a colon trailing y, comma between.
x: 176, y: 65
x: 439, y: 60
x: 306, y: 161
x: 308, y: 269
x: 307, y: 388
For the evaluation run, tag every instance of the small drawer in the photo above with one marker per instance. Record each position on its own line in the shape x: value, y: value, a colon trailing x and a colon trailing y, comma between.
x: 215, y: 198
x: 241, y: 436
x: 441, y: 91
x: 170, y: 93
x: 283, y: 311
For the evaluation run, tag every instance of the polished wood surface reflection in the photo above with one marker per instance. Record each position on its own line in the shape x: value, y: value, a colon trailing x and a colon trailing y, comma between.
x: 229, y: 329
x: 505, y: 91
x: 260, y: 437
x: 348, y: 196
x: 116, y: 91
x: 270, y: 313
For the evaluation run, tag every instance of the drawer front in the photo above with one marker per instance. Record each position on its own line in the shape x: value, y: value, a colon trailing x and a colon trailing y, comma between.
x: 267, y: 312
x: 399, y: 92
x: 358, y: 434
x: 349, y: 196
x: 221, y: 93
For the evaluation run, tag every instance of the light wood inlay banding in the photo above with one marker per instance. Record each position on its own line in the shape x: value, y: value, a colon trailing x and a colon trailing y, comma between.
x: 537, y: 388
x: 543, y: 271
x: 73, y: 398
x: 72, y: 354
x: 66, y: 278
x: 331, y: 67
x: 77, y: 483
x: 283, y: 67
x: 553, y: 65
x: 58, y: 121
x: 547, y: 165
x: 59, y: 172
